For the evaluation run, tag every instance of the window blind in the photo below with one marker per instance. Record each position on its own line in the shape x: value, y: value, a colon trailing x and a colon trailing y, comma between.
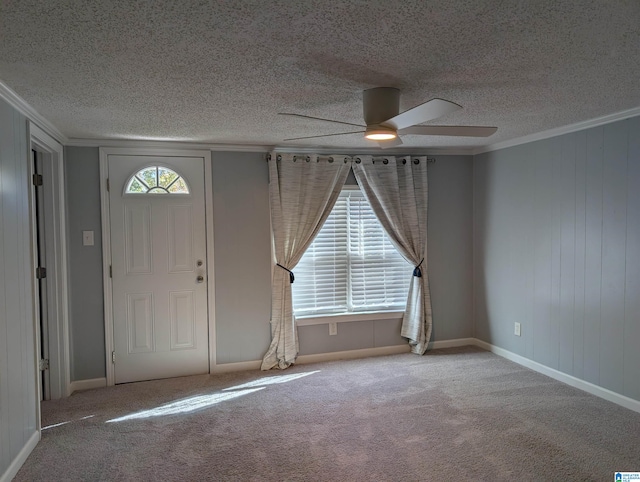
x: 351, y: 266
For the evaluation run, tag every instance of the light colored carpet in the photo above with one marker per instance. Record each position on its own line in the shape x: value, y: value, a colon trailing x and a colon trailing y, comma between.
x: 453, y: 414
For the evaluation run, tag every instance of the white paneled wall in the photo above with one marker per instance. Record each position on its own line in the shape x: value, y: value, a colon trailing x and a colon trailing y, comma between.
x: 557, y: 249
x: 18, y: 396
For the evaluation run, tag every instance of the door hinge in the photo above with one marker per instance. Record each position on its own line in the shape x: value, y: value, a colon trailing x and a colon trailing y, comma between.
x: 43, y: 364
x: 41, y: 272
x: 108, y: 185
x: 37, y: 179
x: 113, y: 357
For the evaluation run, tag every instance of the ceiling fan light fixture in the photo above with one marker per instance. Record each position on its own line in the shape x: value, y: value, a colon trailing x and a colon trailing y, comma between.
x: 380, y: 134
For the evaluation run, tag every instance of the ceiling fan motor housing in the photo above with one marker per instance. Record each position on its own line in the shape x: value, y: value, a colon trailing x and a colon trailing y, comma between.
x: 380, y: 104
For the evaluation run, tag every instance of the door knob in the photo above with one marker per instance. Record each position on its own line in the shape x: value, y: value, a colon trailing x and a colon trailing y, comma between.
x: 200, y: 279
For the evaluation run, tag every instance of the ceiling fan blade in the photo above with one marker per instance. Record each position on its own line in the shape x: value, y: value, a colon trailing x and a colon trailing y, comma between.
x: 431, y: 109
x: 461, y: 131
x: 320, y: 119
x: 392, y: 143
x: 324, y: 135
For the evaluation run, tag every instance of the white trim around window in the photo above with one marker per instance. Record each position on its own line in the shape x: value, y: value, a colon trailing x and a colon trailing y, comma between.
x: 350, y: 317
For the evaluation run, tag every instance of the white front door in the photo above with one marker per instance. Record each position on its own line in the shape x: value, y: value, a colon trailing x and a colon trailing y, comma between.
x: 159, y: 275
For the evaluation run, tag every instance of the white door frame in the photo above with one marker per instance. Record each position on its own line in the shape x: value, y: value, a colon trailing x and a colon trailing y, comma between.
x: 57, y: 278
x: 105, y: 152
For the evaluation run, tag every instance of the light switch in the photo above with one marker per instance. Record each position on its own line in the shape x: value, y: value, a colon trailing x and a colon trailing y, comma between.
x: 87, y: 238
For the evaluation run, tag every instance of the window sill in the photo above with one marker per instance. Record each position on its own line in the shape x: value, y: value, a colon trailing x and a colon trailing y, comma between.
x: 346, y: 318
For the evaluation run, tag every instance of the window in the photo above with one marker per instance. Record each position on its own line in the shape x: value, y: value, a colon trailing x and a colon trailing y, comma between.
x: 351, y: 266
x: 156, y: 180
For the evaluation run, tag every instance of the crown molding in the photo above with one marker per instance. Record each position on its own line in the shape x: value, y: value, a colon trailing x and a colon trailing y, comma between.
x: 446, y: 151
x: 407, y: 151
x: 141, y: 143
x: 558, y: 131
x: 18, y: 103
x: 261, y: 148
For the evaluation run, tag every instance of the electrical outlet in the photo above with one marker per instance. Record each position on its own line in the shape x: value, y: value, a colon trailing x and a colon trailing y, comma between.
x: 333, y: 328
x: 516, y: 330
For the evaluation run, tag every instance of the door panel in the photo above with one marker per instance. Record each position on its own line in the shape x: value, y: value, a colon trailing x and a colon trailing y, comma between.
x: 140, y: 322
x: 137, y: 225
x: 158, y: 243
x: 183, y: 317
x: 180, y: 239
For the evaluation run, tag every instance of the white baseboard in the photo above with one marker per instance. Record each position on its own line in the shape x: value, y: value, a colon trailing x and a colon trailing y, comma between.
x: 319, y: 357
x: 87, y: 384
x: 236, y: 367
x: 353, y: 354
x: 588, y: 387
x: 434, y: 345
x: 343, y: 355
x: 13, y: 468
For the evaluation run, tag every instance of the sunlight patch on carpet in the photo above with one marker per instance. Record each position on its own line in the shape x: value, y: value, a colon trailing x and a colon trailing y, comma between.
x: 272, y: 380
x: 54, y: 425
x: 187, y: 405
x: 64, y: 423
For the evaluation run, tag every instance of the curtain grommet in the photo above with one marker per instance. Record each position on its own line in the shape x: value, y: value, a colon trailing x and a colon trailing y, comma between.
x: 358, y: 160
x: 385, y: 161
x: 279, y: 158
x: 416, y: 161
x: 404, y: 161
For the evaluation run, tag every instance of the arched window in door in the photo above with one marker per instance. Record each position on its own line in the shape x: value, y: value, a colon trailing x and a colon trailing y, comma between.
x: 156, y: 180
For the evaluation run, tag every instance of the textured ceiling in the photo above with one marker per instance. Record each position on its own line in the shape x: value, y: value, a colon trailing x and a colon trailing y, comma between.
x: 220, y: 71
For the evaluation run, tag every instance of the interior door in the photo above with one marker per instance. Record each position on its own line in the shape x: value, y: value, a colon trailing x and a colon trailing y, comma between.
x: 158, y: 255
x: 42, y: 214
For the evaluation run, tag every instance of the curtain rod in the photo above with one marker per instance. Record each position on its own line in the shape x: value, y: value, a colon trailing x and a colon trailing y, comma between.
x: 430, y: 160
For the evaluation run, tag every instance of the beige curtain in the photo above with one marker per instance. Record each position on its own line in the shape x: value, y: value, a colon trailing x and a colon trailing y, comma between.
x: 397, y: 190
x: 302, y: 192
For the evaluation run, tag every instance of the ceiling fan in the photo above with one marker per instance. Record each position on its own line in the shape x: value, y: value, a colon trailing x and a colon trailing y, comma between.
x: 385, y: 123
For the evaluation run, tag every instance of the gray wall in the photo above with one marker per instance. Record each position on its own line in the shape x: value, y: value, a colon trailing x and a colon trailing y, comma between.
x: 450, y: 250
x: 557, y: 248
x: 18, y: 396
x: 243, y: 262
x: 86, y: 311
x: 241, y: 250
x: 242, y: 240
